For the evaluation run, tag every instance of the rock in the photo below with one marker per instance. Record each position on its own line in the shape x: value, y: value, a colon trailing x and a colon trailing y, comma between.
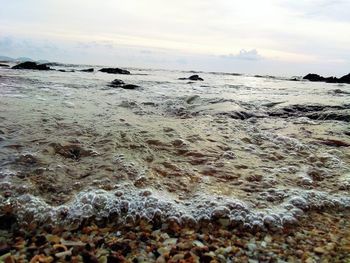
x: 334, y: 143
x: 87, y: 70
x: 31, y: 65
x: 63, y: 70
x: 314, y: 112
x: 193, y: 77
x: 345, y: 79
x: 320, y: 250
x: 117, y: 83
x: 4, y: 65
x: 72, y: 151
x: 129, y: 86
x: 318, y: 78
x: 115, y: 71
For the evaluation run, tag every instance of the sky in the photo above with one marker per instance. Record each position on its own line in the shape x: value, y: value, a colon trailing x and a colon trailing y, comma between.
x: 275, y: 37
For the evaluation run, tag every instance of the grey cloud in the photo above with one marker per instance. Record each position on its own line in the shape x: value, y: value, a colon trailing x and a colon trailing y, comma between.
x: 244, y: 55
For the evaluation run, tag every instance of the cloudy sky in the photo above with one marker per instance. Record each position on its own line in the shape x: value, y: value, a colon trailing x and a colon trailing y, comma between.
x: 281, y: 37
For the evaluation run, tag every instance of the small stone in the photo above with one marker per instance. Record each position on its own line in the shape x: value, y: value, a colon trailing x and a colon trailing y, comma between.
x: 197, y: 243
x: 163, y: 250
x: 319, y: 250
x: 170, y: 241
x: 178, y: 257
x: 251, y: 246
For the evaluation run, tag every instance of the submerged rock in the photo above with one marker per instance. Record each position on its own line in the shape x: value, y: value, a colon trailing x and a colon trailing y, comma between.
x: 31, y: 65
x: 314, y: 112
x: 193, y: 77
x: 72, y: 151
x: 115, y: 71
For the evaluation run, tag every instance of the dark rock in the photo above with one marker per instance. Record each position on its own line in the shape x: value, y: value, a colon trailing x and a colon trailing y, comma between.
x: 31, y: 65
x: 294, y: 79
x: 87, y: 70
x: 318, y: 78
x: 193, y: 77
x: 129, y: 86
x: 117, y: 83
x: 314, y: 77
x: 115, y: 71
x: 345, y: 79
x: 63, y: 70
x: 4, y: 65
x: 72, y: 151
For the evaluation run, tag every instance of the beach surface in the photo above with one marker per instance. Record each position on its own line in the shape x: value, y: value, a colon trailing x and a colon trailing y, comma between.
x: 230, y: 157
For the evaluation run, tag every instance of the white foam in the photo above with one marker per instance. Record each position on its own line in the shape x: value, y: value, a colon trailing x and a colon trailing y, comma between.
x: 130, y: 204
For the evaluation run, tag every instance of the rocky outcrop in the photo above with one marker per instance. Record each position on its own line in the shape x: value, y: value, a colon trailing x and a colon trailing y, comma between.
x: 318, y: 78
x: 115, y: 71
x: 4, y: 65
x: 193, y: 77
x: 117, y: 83
x: 31, y: 65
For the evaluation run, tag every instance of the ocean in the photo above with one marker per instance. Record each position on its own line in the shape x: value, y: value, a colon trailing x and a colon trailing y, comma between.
x: 255, y: 151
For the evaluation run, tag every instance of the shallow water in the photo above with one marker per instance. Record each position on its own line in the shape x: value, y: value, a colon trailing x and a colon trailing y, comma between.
x: 232, y: 146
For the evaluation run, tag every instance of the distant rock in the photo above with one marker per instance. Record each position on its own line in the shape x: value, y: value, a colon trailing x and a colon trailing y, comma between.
x: 117, y: 83
x: 318, y: 78
x: 115, y: 71
x: 193, y: 77
x: 87, y: 70
x: 4, y: 65
x: 31, y: 65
